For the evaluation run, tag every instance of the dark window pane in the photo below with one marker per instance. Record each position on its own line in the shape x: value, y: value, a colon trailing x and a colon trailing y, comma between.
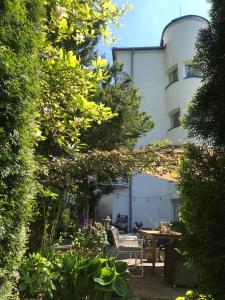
x: 175, y: 119
x: 173, y: 76
x: 192, y: 71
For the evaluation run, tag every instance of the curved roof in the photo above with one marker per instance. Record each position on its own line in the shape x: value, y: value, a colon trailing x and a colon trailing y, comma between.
x: 177, y: 20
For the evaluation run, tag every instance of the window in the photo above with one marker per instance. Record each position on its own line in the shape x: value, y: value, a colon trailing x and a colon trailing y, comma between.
x: 175, y: 119
x: 191, y: 70
x: 173, y: 76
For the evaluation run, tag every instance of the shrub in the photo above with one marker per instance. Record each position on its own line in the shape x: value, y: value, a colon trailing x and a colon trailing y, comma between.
x: 98, y: 278
x: 19, y: 38
x: 37, y: 276
x: 190, y: 295
x: 70, y: 276
x: 90, y: 243
x: 202, y: 211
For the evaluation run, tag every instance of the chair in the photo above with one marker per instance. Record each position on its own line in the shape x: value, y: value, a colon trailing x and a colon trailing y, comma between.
x: 129, y: 245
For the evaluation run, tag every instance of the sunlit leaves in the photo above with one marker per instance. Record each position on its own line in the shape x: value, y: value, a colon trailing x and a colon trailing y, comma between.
x: 79, y: 18
x: 67, y: 91
x: 69, y: 87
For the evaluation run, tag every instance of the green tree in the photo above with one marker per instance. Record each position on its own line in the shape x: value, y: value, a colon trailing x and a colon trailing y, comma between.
x: 202, y: 169
x: 128, y: 125
x: 206, y: 114
x: 19, y: 69
x: 120, y: 131
x: 69, y: 88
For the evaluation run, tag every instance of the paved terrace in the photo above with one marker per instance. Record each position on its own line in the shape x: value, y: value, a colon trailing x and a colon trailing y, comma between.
x: 155, y: 287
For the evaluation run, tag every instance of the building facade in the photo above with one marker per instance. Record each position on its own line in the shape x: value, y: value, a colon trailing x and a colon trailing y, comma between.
x: 167, y: 79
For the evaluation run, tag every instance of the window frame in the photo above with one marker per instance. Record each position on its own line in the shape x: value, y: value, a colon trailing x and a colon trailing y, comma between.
x: 174, y: 123
x: 172, y: 75
x: 188, y: 73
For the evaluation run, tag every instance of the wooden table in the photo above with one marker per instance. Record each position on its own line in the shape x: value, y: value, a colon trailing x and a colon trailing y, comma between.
x: 154, y: 235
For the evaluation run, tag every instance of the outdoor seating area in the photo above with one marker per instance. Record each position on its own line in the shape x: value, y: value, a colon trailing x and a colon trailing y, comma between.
x: 148, y: 251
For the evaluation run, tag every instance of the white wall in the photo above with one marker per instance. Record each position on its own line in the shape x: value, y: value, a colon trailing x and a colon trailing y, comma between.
x: 104, y: 207
x: 120, y: 202
x: 149, y: 78
x: 180, y: 38
x: 151, y: 200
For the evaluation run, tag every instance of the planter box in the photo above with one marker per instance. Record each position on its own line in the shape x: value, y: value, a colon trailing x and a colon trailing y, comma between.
x: 175, y: 270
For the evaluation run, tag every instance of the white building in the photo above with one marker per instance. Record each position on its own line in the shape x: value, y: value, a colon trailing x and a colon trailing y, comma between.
x: 167, y: 81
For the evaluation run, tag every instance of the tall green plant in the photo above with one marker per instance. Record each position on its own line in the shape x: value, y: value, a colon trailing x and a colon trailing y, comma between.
x: 206, y: 114
x: 203, y: 168
x: 19, y: 40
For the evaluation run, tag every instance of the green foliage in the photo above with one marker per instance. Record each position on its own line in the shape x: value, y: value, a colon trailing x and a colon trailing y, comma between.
x: 70, y: 276
x: 128, y: 125
x: 206, y: 114
x: 191, y: 295
x: 91, y: 242
x: 201, y: 182
x: 69, y: 86
x: 91, y: 174
x: 203, y: 168
x: 68, y: 92
x: 37, y: 276
x: 102, y: 276
x: 19, y: 39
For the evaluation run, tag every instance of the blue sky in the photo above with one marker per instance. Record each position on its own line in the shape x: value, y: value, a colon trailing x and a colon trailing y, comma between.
x: 143, y: 25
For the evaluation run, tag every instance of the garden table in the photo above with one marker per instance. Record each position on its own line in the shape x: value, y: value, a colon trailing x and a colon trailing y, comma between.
x: 154, y: 235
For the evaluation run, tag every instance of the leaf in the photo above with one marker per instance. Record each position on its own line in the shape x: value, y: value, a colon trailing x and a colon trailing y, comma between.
x: 92, y: 267
x: 120, y: 266
x: 120, y: 286
x: 61, y: 53
x: 111, y: 262
x: 105, y: 276
x: 63, y: 24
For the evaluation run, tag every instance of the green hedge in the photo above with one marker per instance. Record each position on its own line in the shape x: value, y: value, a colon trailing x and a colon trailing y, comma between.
x: 19, y: 38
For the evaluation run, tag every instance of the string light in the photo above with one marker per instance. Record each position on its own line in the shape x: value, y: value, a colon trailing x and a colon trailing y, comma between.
x: 160, y: 197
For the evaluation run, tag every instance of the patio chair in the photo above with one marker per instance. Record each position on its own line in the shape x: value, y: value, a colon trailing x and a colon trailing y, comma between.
x: 129, y: 245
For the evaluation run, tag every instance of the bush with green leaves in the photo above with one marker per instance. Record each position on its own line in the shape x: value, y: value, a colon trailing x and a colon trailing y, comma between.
x: 19, y: 69
x: 202, y: 185
x: 38, y: 276
x: 99, y: 278
x: 191, y: 295
x: 90, y: 242
x: 71, y: 276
